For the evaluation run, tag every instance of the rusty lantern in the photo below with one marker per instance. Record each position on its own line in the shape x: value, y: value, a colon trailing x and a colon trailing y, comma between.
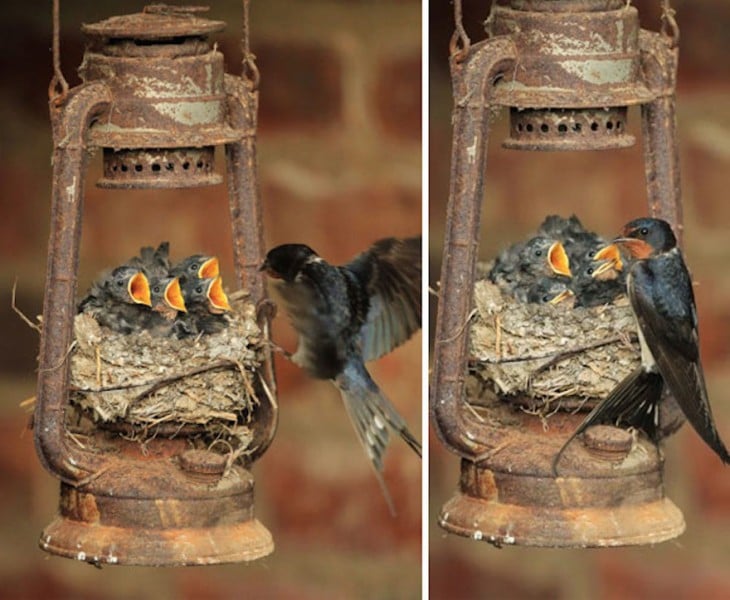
x: 567, y: 70
x: 156, y: 100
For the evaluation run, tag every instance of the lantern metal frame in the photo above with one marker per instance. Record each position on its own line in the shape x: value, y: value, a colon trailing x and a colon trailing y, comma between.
x: 168, y: 506
x: 529, y: 62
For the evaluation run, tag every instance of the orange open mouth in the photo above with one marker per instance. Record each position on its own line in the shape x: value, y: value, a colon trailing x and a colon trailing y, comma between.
x: 217, y: 296
x: 558, y: 259
x: 139, y: 289
x: 209, y: 269
x: 174, y: 297
x: 610, y: 258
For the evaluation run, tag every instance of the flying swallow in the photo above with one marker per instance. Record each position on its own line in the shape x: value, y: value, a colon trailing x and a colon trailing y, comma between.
x: 347, y: 315
x: 660, y: 291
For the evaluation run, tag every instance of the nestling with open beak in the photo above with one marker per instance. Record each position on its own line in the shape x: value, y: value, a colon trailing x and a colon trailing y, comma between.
x: 119, y: 300
x: 207, y: 304
x: 347, y: 315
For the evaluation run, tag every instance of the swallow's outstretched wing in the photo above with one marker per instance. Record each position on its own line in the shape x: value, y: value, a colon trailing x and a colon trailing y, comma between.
x: 390, y: 272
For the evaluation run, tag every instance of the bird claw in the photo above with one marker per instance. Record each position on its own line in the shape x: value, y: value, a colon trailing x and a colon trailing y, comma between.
x: 266, y: 308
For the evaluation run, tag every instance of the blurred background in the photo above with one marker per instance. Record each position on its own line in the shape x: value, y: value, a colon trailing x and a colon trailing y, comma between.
x: 606, y: 189
x: 340, y: 167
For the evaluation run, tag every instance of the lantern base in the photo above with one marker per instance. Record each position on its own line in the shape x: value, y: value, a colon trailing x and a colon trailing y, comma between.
x: 504, y: 524
x: 168, y: 511
x: 100, y: 545
x: 599, y: 504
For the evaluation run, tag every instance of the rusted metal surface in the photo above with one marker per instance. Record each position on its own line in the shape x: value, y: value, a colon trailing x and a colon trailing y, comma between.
x: 248, y: 236
x: 600, y: 499
x: 569, y: 59
x: 554, y: 63
x: 70, y: 127
x: 157, y: 108
x: 659, y: 130
x: 473, y: 81
x: 153, y: 512
x: 158, y: 168
x: 568, y: 129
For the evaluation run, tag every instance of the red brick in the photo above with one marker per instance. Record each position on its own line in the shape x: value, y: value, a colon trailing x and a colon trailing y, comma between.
x: 710, y: 484
x: 623, y: 579
x: 301, y: 86
x: 452, y: 578
x: 397, y: 97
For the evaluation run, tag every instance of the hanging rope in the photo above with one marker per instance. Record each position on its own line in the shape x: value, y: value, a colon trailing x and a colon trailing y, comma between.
x: 460, y: 42
x: 58, y: 88
x: 669, y: 24
x: 250, y: 70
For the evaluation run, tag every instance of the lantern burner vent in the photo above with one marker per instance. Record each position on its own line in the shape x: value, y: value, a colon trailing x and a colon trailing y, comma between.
x: 568, y: 129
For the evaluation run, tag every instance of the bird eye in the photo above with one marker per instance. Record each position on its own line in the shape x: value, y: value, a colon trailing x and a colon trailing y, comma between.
x: 199, y: 289
x: 538, y: 252
x: 120, y: 283
x: 589, y: 270
x: 546, y: 299
x: 156, y: 289
x: 194, y: 267
x: 644, y: 231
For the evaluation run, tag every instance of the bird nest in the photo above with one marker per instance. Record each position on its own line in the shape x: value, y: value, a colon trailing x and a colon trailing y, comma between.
x: 141, y: 382
x: 544, y: 356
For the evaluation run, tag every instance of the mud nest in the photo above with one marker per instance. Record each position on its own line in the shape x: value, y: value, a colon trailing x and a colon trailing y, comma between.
x: 544, y: 357
x: 139, y: 382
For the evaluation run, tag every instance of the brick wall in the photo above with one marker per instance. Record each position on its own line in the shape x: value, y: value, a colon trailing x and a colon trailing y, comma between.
x: 339, y: 155
x: 606, y: 189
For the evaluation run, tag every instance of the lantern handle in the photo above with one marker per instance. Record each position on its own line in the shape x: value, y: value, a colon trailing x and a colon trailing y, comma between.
x: 250, y: 70
x: 58, y: 87
x: 460, y: 42
x: 669, y: 24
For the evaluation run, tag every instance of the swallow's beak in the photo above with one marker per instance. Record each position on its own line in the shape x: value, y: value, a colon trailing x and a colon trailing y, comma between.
x: 610, y: 258
x: 209, y: 269
x: 564, y: 295
x: 139, y: 289
x: 637, y: 248
x: 217, y: 296
x: 558, y: 259
x: 174, y: 296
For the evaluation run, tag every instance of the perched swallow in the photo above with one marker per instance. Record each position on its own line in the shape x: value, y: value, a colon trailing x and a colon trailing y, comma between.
x: 660, y: 291
x: 206, y: 303
x: 120, y: 300
x: 197, y: 266
x: 347, y: 315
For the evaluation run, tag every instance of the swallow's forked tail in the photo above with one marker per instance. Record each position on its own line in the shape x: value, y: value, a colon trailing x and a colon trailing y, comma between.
x: 372, y: 414
x: 633, y: 402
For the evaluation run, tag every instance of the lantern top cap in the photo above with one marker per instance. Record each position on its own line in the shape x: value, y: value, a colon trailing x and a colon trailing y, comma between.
x: 156, y: 21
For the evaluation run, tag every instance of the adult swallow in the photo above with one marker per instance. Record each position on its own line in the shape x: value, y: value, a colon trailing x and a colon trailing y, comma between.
x: 206, y: 302
x: 119, y: 300
x: 197, y: 266
x: 660, y: 291
x: 347, y: 315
